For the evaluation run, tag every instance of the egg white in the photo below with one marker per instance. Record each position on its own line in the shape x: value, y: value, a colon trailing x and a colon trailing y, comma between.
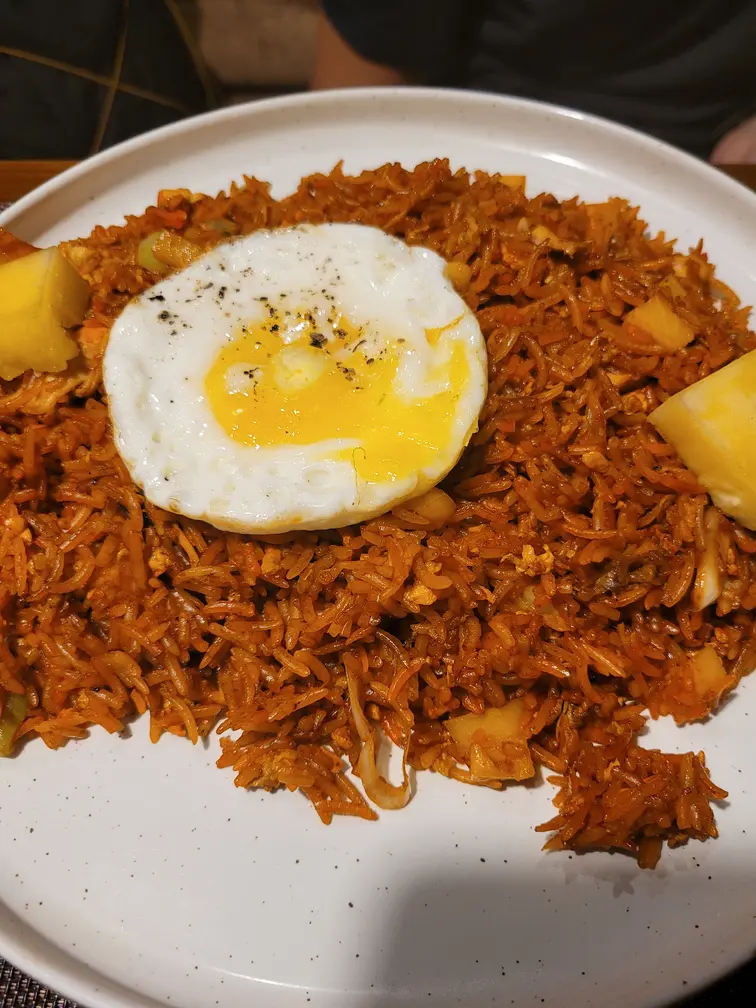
x: 165, y: 341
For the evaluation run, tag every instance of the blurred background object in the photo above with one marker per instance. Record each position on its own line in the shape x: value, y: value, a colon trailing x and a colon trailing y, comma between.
x: 77, y: 76
x: 681, y: 71
x: 258, y: 46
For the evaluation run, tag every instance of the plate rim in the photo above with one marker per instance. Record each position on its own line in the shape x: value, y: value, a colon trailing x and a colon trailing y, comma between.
x: 94, y: 163
x: 39, y: 965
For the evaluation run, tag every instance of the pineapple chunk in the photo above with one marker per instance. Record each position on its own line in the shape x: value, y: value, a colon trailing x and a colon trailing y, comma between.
x: 495, y: 742
x: 712, y: 426
x: 40, y: 296
x: 658, y: 319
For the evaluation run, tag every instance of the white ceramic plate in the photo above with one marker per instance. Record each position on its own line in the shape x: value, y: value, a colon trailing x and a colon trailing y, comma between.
x: 137, y: 875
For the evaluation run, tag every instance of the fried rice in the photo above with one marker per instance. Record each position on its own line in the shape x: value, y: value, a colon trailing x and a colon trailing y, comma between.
x: 564, y: 569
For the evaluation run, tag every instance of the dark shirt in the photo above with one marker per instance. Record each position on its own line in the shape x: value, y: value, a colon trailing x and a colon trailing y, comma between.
x: 683, y: 70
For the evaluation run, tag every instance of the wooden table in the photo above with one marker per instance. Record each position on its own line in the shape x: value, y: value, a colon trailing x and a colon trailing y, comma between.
x: 20, y: 177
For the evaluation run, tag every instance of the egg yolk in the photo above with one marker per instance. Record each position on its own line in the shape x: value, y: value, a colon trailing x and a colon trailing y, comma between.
x: 319, y: 385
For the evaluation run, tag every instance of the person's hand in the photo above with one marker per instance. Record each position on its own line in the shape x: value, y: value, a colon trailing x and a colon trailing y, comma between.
x: 738, y: 146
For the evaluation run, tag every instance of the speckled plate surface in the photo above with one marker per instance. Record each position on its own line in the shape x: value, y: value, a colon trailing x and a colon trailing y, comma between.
x: 137, y: 875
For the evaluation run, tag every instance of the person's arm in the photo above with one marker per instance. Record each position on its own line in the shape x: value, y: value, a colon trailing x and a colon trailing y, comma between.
x: 738, y: 146
x: 337, y: 65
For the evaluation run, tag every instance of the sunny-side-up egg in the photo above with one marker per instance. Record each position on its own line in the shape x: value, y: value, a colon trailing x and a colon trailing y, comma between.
x: 307, y: 377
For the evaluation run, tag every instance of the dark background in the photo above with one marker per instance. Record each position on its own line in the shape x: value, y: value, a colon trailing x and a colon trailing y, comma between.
x: 738, y: 988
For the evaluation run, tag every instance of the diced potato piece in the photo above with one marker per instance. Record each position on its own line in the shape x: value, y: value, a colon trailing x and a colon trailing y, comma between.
x: 174, y: 250
x: 513, y: 181
x: 512, y: 762
x: 40, y: 296
x: 166, y: 196
x: 434, y: 505
x: 497, y: 722
x: 459, y: 274
x: 709, y: 675
x: 165, y: 250
x: 495, y: 742
x: 662, y: 323
x: 146, y: 255
x: 712, y: 426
